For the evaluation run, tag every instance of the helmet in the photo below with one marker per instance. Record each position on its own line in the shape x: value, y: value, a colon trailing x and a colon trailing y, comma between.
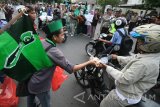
x: 120, y: 22
x: 150, y: 33
x: 112, y: 19
x: 118, y: 10
x: 108, y: 9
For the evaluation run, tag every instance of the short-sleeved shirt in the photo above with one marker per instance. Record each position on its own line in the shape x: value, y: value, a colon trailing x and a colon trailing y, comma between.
x: 2, y: 23
x: 116, y: 39
x: 41, y: 81
x: 2, y: 14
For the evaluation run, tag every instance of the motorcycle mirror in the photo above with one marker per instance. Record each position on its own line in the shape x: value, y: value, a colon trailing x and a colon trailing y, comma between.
x: 116, y: 47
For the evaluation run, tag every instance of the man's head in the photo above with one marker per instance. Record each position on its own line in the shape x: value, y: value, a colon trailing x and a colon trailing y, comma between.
x: 109, y: 11
x: 148, y: 38
x: 118, y: 13
x: 31, y: 12
x: 54, y: 31
x: 96, y: 11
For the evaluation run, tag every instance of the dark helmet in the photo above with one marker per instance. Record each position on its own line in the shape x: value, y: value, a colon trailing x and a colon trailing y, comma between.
x: 120, y: 23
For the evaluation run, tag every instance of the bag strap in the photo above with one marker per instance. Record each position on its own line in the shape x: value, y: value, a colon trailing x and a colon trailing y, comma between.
x: 49, y: 47
x: 121, y: 34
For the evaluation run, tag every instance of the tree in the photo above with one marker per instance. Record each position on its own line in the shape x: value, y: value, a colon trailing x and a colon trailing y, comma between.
x: 30, y: 1
x: 108, y: 2
x: 47, y: 1
x: 58, y: 1
x: 124, y: 1
x: 152, y: 3
x: 103, y: 3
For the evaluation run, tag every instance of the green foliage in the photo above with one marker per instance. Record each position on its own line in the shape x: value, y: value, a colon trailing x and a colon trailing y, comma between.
x: 151, y: 3
x: 108, y: 2
x: 30, y: 1
x: 46, y: 1
x: 155, y: 3
x: 103, y: 3
x: 58, y: 1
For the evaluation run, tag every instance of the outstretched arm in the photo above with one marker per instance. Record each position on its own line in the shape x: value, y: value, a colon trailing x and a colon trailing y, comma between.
x: 82, y: 65
x: 12, y: 21
x: 123, y: 60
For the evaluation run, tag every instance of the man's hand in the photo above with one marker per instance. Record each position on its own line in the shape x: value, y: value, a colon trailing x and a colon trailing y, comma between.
x: 110, y: 34
x: 100, y: 65
x: 114, y: 56
x: 95, y: 61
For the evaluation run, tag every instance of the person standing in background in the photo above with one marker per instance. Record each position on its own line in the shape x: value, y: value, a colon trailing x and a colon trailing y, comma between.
x: 133, y: 21
x: 95, y: 21
x: 2, y: 12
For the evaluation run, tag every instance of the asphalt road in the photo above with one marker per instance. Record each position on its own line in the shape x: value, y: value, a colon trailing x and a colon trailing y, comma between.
x: 71, y: 94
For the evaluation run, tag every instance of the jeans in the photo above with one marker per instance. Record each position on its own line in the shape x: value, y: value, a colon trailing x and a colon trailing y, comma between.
x: 112, y: 100
x: 44, y: 98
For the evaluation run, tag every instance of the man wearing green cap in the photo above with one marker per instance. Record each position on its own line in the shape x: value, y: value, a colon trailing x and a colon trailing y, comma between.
x: 40, y: 83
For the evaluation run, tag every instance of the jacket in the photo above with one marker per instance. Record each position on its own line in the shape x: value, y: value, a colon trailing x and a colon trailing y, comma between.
x: 41, y: 81
x: 138, y: 76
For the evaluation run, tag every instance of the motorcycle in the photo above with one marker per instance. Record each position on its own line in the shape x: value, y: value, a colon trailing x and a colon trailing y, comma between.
x: 96, y: 46
x: 92, y: 77
x: 44, y: 19
x: 65, y: 34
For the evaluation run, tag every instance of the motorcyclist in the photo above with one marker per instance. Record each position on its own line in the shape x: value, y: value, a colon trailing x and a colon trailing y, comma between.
x: 140, y: 72
x: 117, y: 38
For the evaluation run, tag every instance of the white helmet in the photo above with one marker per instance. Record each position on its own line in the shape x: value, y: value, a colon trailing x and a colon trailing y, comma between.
x: 151, y: 35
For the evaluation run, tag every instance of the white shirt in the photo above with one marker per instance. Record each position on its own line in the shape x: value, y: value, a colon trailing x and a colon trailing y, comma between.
x: 2, y: 15
x: 130, y: 101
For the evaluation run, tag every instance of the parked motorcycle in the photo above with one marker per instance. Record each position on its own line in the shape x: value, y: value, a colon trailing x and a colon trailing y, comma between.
x: 95, y: 47
x: 65, y: 34
x: 44, y: 19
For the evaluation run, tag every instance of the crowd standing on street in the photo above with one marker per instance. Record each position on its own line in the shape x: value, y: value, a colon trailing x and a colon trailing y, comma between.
x: 141, y: 70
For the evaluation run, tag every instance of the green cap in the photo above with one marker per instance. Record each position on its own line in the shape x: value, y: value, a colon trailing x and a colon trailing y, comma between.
x: 53, y: 26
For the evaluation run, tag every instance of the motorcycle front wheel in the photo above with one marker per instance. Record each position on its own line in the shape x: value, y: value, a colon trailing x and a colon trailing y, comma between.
x: 81, y: 77
x: 90, y: 50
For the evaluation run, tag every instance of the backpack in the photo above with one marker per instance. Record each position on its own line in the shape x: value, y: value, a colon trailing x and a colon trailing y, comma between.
x: 126, y: 43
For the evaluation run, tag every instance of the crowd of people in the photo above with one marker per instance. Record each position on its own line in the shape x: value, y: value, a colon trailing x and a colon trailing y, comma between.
x: 137, y: 77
